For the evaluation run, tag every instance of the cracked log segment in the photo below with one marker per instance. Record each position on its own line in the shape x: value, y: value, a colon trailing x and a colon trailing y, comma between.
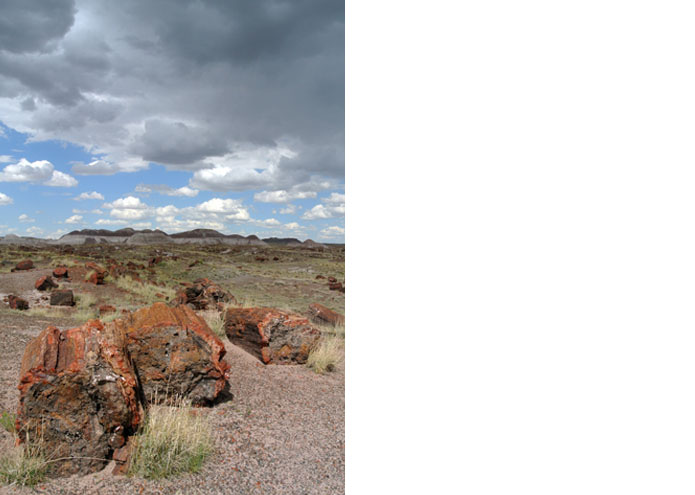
x: 78, y: 396
x: 271, y: 335
x: 175, y: 354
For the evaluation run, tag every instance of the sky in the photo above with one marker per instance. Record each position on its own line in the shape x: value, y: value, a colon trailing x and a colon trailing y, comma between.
x: 173, y: 115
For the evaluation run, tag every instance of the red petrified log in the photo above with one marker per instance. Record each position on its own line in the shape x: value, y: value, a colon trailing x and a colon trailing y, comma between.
x: 272, y: 335
x: 175, y: 353
x: 78, y: 396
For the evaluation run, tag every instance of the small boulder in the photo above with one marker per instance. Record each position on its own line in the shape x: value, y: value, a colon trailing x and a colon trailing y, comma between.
x: 106, y: 309
x: 60, y: 272
x: 78, y: 393
x: 45, y: 283
x: 321, y: 313
x: 203, y: 294
x: 17, y: 302
x: 62, y: 298
x: 271, y: 335
x: 154, y: 261
x: 96, y: 274
x: 23, y: 265
x: 336, y: 286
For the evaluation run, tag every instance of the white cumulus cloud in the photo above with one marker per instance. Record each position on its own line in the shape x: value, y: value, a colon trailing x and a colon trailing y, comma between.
x: 89, y: 195
x: 74, y: 219
x: 38, y: 172
x: 5, y: 199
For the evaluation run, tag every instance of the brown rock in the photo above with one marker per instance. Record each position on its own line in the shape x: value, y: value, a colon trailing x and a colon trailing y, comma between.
x: 62, y: 298
x: 322, y: 314
x: 154, y: 261
x: 272, y: 335
x: 23, y: 265
x: 60, y: 272
x: 16, y: 302
x: 332, y: 280
x: 202, y: 294
x: 319, y: 277
x: 105, y: 309
x: 96, y: 274
x: 336, y: 286
x: 78, y: 393
x: 175, y: 353
x: 45, y: 283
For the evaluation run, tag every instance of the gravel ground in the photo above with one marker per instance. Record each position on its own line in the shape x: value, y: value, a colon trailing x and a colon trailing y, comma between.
x: 283, y: 432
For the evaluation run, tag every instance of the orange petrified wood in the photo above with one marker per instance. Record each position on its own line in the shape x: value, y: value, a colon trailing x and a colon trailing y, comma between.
x: 272, y: 335
x: 78, y: 395
x: 175, y: 354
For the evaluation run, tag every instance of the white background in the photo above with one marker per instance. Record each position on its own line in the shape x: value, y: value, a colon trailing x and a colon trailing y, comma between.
x: 520, y: 247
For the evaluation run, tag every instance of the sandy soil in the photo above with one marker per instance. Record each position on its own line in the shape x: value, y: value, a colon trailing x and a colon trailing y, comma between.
x: 282, y: 432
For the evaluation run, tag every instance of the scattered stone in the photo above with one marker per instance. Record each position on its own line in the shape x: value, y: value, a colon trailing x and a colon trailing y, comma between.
x: 17, y: 302
x: 322, y: 314
x: 78, y: 393
x: 155, y: 261
x: 62, y: 298
x: 45, y: 283
x: 319, y: 277
x: 336, y: 286
x: 332, y: 280
x: 23, y: 265
x: 275, y: 258
x: 106, y: 309
x: 271, y: 335
x: 60, y: 272
x: 203, y: 294
x: 96, y: 275
x: 175, y: 353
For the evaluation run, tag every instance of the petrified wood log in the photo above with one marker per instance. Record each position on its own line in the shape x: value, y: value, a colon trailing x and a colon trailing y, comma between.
x: 78, y: 396
x: 175, y: 354
x: 272, y: 335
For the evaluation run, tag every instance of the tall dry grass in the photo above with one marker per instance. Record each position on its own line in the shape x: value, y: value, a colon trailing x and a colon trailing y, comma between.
x: 175, y: 439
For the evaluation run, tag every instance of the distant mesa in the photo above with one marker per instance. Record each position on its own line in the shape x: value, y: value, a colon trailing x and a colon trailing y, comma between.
x: 143, y: 237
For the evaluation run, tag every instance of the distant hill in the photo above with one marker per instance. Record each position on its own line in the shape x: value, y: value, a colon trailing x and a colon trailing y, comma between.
x: 148, y: 236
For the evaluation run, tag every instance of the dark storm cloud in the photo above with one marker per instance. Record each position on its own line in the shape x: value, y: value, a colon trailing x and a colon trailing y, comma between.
x: 243, y: 31
x: 32, y: 25
x: 182, y: 83
x: 176, y: 143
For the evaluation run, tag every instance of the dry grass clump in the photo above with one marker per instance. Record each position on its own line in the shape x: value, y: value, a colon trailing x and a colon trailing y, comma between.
x: 110, y: 317
x: 34, y: 311
x: 327, y: 354
x: 143, y: 290
x: 215, y: 320
x: 174, y: 440
x: 23, y: 464
x: 7, y: 421
x: 85, y: 305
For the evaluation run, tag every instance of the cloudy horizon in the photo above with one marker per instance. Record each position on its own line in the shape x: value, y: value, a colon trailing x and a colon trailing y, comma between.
x: 173, y: 115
